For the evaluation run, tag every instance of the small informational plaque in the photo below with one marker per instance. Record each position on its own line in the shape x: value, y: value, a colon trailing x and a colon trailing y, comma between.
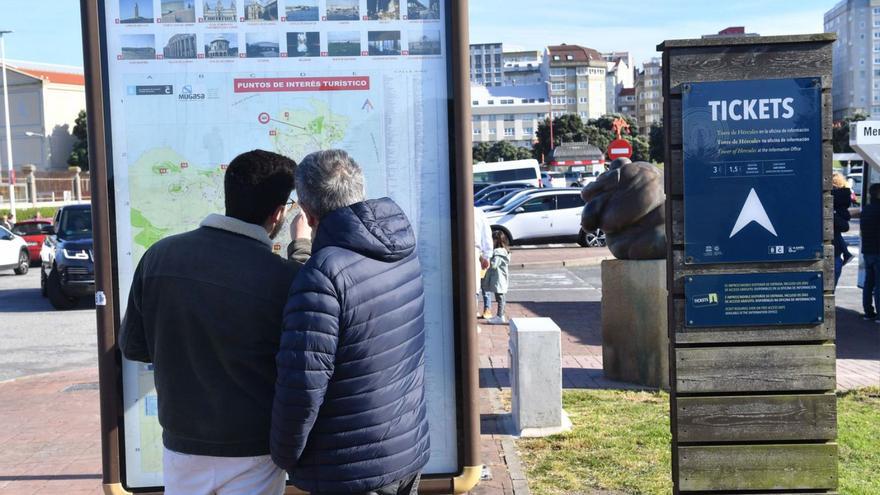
x: 754, y: 299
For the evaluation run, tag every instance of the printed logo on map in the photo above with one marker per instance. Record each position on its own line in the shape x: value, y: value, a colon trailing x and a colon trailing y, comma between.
x: 188, y: 94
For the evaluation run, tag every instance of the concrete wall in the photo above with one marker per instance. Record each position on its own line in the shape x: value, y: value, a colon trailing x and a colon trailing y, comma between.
x: 25, y: 114
x: 62, y: 104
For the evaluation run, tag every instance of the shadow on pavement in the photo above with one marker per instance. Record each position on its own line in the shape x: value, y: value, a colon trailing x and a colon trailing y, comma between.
x: 857, y: 338
x: 581, y: 321
x: 30, y: 301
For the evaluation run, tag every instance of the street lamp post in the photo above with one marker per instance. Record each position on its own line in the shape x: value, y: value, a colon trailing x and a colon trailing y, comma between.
x: 8, y: 125
x: 550, y: 104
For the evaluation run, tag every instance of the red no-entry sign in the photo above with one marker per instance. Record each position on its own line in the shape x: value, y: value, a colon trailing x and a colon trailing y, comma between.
x: 619, y: 148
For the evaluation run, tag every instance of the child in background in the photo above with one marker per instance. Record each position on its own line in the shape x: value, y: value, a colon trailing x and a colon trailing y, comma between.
x: 496, y: 279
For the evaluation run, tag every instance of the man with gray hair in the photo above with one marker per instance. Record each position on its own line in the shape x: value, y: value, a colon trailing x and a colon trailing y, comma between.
x: 349, y: 414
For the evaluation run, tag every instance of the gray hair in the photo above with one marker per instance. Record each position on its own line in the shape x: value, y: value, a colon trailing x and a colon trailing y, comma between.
x: 327, y: 181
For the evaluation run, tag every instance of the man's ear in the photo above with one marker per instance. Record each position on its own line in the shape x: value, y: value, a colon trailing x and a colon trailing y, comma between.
x: 312, y: 221
x: 277, y: 216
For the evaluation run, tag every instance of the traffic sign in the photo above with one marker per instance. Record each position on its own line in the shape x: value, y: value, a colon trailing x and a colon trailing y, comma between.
x: 619, y: 148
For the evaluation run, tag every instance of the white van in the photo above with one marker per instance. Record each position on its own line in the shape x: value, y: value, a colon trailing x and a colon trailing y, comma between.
x: 525, y: 171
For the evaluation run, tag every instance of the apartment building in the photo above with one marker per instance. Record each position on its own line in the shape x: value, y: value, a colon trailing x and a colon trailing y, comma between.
x: 626, y: 103
x: 522, y: 68
x: 618, y: 75
x: 856, y: 72
x: 576, y: 77
x: 508, y: 113
x: 649, y: 95
x: 486, y: 64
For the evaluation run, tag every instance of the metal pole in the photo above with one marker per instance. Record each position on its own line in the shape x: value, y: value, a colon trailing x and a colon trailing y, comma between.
x: 11, y: 177
x: 550, y: 103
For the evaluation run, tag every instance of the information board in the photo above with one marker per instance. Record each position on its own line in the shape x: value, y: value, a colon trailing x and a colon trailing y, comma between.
x: 752, y: 170
x: 189, y: 85
x: 752, y: 299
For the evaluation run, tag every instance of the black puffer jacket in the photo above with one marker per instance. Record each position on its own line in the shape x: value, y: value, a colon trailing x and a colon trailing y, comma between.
x: 349, y: 412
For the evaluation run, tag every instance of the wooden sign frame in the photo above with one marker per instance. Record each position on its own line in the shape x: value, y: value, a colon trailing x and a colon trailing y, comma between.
x: 464, y: 307
x: 753, y: 409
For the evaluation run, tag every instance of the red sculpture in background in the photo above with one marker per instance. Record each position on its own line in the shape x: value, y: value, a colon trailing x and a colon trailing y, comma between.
x: 619, y: 125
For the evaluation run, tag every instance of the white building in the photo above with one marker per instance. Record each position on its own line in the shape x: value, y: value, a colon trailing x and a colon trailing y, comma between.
x: 522, y: 68
x: 508, y: 113
x: 486, y: 64
x: 576, y: 77
x: 43, y: 100
x: 619, y: 75
x: 856, y: 73
x: 649, y: 95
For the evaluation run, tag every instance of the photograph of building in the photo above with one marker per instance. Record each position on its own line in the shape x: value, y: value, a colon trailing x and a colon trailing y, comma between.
x: 383, y: 10
x: 135, y: 11
x: 138, y: 46
x: 181, y: 45
x: 383, y: 43
x: 261, y: 45
x: 303, y: 44
x: 178, y: 11
x: 344, y: 43
x: 343, y: 10
x: 302, y: 11
x: 424, y: 42
x: 423, y: 9
x: 261, y: 10
x: 220, y: 11
x: 221, y: 45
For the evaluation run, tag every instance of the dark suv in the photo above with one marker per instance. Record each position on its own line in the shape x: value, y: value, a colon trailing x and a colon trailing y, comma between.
x: 68, y: 266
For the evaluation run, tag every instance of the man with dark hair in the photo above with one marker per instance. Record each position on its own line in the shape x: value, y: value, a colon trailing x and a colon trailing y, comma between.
x: 870, y: 227
x: 349, y: 413
x: 205, y: 308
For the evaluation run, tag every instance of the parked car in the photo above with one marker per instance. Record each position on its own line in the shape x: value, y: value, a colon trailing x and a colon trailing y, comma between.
x: 13, y: 253
x: 32, y: 233
x: 494, y: 192
x: 68, y: 268
x: 544, y: 215
x: 507, y: 198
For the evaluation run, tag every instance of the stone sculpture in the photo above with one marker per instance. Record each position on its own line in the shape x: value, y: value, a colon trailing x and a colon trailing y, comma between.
x: 627, y: 203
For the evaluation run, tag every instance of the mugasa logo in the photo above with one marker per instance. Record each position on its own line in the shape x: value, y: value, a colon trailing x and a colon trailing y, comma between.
x: 187, y: 94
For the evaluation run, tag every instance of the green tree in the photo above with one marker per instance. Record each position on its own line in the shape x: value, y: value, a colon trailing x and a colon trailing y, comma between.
x: 641, y: 148
x: 480, y: 152
x: 657, y: 144
x: 79, y: 155
x: 840, y: 135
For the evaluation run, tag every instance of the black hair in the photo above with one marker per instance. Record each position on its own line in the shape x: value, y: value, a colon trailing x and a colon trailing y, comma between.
x: 256, y: 184
x: 874, y: 191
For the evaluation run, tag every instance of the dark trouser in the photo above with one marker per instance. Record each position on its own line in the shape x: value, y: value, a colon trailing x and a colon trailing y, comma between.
x: 871, y: 290
x: 841, y: 255
x: 406, y: 486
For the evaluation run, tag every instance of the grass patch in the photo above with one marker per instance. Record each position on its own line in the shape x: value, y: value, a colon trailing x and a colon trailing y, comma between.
x: 28, y: 213
x: 620, y: 442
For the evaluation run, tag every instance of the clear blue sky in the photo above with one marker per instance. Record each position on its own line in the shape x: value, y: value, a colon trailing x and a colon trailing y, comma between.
x: 51, y: 33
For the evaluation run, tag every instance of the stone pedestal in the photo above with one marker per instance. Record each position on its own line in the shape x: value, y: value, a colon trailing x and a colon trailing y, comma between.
x: 536, y: 377
x: 635, y: 344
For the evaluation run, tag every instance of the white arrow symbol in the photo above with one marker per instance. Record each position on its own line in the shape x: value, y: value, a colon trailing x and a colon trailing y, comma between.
x: 753, y: 211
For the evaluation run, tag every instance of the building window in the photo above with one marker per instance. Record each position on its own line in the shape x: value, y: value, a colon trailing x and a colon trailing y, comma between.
x: 583, y: 99
x: 508, y: 131
x: 528, y: 130
x: 583, y: 115
x: 581, y: 71
x: 557, y: 71
x: 491, y: 102
x: 557, y: 86
x: 475, y: 103
x: 476, y: 131
x: 571, y: 101
x: 555, y: 57
x: 569, y: 57
x: 509, y: 117
x: 491, y: 130
x: 583, y: 85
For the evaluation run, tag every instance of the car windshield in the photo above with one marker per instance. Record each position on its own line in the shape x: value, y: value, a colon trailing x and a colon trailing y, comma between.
x: 75, y: 223
x: 515, y: 204
x: 28, y: 228
x: 507, y: 197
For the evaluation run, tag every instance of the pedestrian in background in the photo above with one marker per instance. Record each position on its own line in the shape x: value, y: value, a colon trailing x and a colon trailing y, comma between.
x: 4, y: 222
x: 496, y: 280
x: 870, y: 227
x: 842, y: 196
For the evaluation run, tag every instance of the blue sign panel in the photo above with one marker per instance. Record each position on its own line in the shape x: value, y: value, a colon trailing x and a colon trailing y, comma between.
x: 752, y: 170
x: 732, y: 300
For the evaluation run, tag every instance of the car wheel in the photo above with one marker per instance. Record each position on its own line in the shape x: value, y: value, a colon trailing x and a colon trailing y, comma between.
x: 43, y: 283
x: 57, y: 297
x: 24, y: 263
x: 594, y: 238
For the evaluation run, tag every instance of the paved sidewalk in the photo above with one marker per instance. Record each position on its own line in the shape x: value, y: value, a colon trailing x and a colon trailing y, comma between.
x: 50, y: 434
x: 558, y: 256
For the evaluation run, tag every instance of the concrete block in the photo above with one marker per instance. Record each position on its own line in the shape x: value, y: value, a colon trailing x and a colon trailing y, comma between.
x: 635, y: 342
x: 536, y: 377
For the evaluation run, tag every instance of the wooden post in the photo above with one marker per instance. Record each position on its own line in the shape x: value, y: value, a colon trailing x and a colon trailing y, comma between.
x: 752, y: 404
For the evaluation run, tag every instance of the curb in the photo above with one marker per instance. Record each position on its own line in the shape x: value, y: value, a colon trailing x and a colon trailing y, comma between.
x: 594, y: 261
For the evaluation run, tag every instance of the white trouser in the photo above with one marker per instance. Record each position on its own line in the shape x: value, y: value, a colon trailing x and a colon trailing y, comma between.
x: 187, y: 474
